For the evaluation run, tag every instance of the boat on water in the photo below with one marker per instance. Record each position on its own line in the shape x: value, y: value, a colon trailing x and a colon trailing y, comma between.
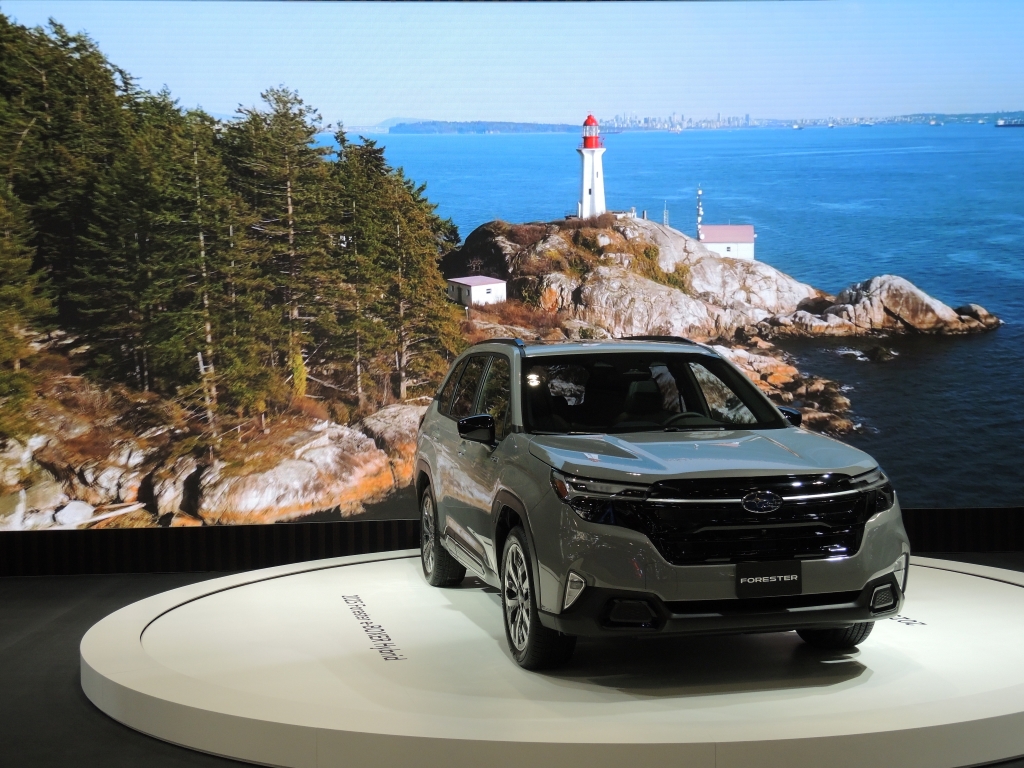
x: 1011, y: 123
x: 797, y: 127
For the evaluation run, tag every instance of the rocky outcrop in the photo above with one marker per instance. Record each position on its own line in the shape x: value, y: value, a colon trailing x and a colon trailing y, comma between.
x: 884, y: 304
x: 104, y: 475
x: 626, y: 304
x: 326, y: 466
x: 393, y: 429
x: 633, y: 276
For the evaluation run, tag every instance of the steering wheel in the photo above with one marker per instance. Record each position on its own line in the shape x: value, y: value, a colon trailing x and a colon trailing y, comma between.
x: 685, y: 414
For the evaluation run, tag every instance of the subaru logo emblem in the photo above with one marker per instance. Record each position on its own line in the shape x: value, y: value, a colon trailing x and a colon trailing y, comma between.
x: 761, y: 501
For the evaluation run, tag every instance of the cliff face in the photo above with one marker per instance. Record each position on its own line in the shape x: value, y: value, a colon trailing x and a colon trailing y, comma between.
x: 633, y: 276
x: 104, y: 457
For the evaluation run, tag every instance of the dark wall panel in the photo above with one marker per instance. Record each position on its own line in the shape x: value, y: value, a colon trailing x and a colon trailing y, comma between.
x: 218, y: 548
x: 992, y: 529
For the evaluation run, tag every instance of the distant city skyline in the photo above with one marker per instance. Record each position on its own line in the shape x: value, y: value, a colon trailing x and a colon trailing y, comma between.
x: 363, y: 63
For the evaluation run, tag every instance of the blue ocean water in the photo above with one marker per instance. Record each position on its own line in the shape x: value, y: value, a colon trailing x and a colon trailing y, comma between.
x: 940, y: 205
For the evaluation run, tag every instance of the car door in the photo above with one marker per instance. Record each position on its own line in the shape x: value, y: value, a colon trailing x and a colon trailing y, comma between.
x: 454, y: 498
x: 483, y: 462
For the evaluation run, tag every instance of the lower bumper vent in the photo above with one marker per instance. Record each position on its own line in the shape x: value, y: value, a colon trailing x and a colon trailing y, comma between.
x: 633, y: 613
x: 882, y: 598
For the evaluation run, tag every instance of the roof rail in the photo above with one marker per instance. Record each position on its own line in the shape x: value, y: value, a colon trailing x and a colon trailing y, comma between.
x: 516, y: 341
x: 673, y: 339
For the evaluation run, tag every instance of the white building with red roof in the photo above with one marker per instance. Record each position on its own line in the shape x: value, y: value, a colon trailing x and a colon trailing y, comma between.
x: 476, y: 289
x: 735, y: 241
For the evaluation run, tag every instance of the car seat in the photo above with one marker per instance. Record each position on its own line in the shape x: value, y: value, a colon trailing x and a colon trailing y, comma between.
x: 644, y: 402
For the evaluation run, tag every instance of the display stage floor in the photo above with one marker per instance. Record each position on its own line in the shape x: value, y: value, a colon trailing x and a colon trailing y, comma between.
x: 274, y: 667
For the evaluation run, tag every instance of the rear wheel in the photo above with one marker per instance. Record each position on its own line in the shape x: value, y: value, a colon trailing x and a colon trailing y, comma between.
x: 838, y: 638
x: 532, y: 645
x: 439, y: 568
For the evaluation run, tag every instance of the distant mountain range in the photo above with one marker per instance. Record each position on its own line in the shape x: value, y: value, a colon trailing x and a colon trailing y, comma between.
x: 412, y: 125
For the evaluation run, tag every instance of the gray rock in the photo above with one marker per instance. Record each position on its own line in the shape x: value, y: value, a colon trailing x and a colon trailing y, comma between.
x: 74, y: 513
x: 980, y: 314
x: 45, y: 494
x: 12, y: 511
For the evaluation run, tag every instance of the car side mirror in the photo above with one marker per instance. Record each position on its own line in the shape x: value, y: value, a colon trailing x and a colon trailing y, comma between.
x: 479, y: 428
x: 792, y: 415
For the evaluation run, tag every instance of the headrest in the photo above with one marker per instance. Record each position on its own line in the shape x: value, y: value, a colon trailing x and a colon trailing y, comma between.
x: 643, y: 397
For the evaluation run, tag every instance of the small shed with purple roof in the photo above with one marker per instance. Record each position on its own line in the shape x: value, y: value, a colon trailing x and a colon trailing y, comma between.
x: 476, y: 289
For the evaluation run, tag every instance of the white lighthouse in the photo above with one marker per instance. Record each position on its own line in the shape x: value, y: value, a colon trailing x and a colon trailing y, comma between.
x: 592, y: 191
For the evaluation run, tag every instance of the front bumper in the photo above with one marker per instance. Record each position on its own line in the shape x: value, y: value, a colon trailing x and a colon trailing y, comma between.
x: 601, y: 612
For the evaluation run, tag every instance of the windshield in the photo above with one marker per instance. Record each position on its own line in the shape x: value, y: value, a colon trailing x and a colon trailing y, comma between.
x: 614, y: 392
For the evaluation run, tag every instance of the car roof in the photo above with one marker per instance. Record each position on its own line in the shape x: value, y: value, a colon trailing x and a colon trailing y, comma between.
x: 542, y: 349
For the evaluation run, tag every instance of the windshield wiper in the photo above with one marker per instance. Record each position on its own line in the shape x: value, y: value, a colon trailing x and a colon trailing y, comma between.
x: 694, y: 428
x: 541, y: 432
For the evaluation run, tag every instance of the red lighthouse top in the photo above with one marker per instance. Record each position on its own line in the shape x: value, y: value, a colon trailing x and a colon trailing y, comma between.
x: 591, y: 140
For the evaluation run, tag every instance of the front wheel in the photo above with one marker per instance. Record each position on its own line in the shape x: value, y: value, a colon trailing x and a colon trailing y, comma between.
x: 532, y: 645
x: 439, y: 568
x: 837, y: 639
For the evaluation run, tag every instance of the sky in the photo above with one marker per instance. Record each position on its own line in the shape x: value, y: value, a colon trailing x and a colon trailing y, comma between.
x: 362, y: 63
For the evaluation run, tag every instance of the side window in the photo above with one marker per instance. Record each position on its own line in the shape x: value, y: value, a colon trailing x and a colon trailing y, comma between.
x: 497, y: 394
x: 444, y: 397
x: 724, y: 404
x: 465, y: 392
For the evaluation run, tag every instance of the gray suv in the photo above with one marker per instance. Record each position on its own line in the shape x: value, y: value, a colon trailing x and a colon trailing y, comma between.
x: 646, y: 486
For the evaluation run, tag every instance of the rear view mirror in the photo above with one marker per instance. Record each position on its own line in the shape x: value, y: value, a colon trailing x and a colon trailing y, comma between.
x: 792, y: 415
x: 479, y: 428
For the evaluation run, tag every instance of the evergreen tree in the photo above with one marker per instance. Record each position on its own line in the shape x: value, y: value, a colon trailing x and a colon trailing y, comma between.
x: 406, y: 325
x: 280, y: 174
x: 23, y: 306
x: 360, y: 176
x: 425, y: 324
x: 64, y: 112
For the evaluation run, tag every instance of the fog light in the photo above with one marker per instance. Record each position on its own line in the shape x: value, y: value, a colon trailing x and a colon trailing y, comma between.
x: 900, y: 570
x: 882, y: 598
x: 573, y: 589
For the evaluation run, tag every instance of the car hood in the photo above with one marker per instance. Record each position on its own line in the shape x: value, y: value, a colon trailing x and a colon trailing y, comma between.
x: 652, y: 456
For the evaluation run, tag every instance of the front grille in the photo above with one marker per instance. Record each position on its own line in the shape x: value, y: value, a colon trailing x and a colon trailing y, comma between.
x: 703, y: 522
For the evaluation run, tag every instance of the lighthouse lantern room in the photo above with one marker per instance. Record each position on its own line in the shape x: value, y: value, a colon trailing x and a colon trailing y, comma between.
x: 592, y: 192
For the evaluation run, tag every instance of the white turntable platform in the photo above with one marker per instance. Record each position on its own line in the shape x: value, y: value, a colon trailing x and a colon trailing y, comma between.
x: 274, y: 667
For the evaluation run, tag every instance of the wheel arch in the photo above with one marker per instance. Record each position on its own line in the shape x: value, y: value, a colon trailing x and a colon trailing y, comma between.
x: 508, y: 511
x: 423, y: 479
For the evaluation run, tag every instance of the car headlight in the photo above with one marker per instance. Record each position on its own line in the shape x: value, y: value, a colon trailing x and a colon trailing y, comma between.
x: 593, y: 500
x: 875, y: 480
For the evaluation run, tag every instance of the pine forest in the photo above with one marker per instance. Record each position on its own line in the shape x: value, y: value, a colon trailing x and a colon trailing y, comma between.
x: 240, y: 269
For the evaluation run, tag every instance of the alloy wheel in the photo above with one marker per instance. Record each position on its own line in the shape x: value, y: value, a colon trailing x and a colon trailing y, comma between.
x: 427, y: 533
x: 517, y: 596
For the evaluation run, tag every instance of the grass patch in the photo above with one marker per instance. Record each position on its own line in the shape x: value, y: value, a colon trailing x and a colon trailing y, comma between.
x: 645, y: 263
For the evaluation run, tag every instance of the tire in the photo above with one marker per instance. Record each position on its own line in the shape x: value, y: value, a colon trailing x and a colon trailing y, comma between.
x: 837, y: 639
x: 531, y: 644
x: 440, y: 569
